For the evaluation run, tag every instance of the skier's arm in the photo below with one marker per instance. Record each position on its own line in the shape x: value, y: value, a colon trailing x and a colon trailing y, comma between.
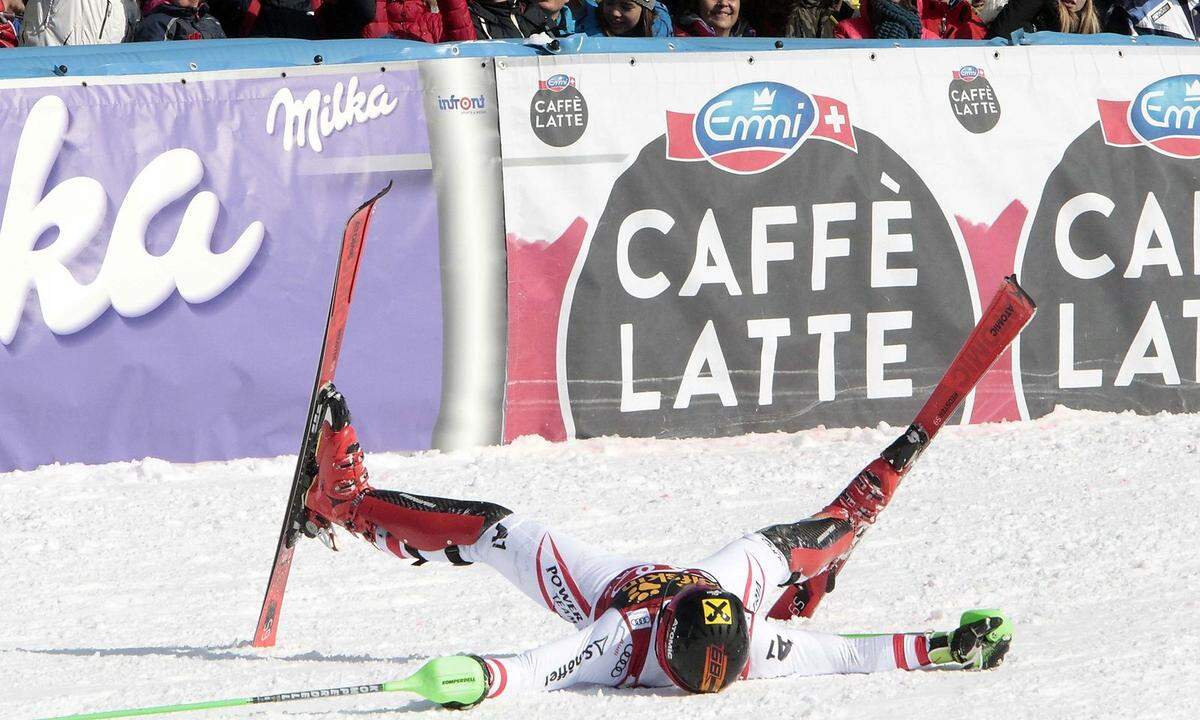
x: 980, y: 642
x: 597, y: 654
x: 777, y: 650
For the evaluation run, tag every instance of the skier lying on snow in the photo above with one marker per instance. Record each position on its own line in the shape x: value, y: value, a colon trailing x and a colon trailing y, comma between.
x: 644, y: 624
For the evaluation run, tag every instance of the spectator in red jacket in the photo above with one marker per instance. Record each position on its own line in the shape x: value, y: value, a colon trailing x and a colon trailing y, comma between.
x: 913, y: 19
x: 713, y: 18
x: 8, y: 30
x: 404, y: 19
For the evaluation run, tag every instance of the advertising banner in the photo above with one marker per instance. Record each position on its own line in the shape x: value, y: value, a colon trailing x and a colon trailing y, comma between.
x: 704, y: 245
x: 167, y: 249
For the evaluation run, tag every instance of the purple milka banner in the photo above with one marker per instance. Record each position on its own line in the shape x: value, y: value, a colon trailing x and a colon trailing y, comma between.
x: 166, y: 257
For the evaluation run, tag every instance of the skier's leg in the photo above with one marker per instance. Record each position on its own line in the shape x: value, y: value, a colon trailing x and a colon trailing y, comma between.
x: 553, y: 569
x: 565, y: 574
x: 817, y: 547
x: 781, y: 563
x: 789, y: 567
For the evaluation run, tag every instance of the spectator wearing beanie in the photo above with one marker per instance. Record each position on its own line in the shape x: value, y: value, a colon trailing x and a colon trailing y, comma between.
x: 403, y: 19
x: 612, y: 18
x: 913, y: 20
x: 713, y: 18
x: 176, y: 20
x: 1069, y: 16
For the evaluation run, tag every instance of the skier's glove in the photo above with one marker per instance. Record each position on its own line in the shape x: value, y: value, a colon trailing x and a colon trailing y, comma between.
x: 456, y: 682
x: 975, y: 645
x: 480, y: 683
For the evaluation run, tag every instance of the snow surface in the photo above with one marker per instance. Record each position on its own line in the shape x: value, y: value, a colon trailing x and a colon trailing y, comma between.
x: 134, y: 584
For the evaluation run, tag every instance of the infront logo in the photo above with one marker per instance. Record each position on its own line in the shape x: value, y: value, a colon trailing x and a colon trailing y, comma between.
x: 1164, y: 116
x: 462, y: 103
x: 753, y: 127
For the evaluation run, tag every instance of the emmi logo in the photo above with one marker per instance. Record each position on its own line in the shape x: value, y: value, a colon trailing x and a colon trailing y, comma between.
x: 1160, y: 111
x: 754, y: 127
x: 1164, y: 115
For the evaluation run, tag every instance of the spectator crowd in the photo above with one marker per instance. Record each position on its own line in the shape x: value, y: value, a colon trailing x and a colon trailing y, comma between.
x: 85, y: 22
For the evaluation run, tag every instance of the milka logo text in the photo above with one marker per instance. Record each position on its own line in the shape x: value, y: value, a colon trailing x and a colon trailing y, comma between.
x: 307, y: 121
x: 132, y: 280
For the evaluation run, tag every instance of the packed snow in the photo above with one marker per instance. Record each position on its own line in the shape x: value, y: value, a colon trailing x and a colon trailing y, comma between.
x: 139, y: 583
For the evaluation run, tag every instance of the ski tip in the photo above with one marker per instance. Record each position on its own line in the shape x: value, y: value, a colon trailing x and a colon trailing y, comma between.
x: 1012, y: 280
x: 387, y: 188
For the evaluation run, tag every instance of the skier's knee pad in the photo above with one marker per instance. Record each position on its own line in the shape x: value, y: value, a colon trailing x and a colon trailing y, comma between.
x: 810, y: 544
x: 422, y: 522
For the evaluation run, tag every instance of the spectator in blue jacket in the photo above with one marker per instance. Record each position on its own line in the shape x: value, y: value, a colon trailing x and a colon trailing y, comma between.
x: 177, y: 20
x: 615, y: 18
x: 562, y: 20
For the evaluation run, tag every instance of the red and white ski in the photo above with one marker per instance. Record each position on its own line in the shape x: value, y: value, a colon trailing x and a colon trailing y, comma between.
x: 1006, y: 315
x: 335, y: 327
x: 1004, y: 318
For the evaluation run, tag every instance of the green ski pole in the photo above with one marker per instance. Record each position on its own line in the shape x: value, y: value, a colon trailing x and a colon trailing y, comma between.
x: 457, y: 679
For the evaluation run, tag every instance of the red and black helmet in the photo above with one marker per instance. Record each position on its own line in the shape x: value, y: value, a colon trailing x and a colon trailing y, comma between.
x: 702, y: 639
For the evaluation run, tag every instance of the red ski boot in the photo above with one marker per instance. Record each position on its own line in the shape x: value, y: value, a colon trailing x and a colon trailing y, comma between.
x: 819, y: 546
x: 341, y: 479
x: 407, y: 525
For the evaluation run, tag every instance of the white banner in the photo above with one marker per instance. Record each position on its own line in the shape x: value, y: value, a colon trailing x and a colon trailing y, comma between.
x: 709, y: 244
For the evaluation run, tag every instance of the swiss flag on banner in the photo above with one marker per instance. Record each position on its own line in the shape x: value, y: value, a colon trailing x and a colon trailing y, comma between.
x: 681, y: 144
x: 1114, y: 123
x: 833, y: 122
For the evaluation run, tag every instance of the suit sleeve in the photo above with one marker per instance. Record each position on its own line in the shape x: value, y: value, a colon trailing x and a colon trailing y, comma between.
x: 597, y: 655
x: 777, y: 650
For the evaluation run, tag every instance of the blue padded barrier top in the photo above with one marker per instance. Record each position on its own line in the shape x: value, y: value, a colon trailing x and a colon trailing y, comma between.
x: 184, y: 57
